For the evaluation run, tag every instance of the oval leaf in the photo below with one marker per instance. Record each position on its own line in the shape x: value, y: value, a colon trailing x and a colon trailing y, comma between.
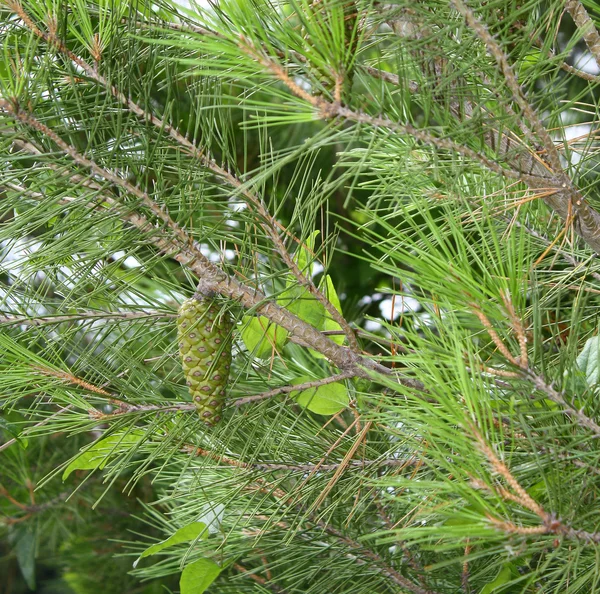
x: 329, y: 323
x: 302, y: 304
x: 185, y: 534
x: 261, y: 337
x: 589, y: 360
x: 198, y: 576
x: 305, y: 253
x: 504, y: 576
x: 98, y: 455
x: 25, y: 552
x: 324, y: 400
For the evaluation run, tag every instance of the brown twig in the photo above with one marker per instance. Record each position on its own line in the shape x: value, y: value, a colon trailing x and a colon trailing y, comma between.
x: 287, y: 389
x: 568, y: 201
x: 465, y: 570
x: 267, y: 221
x: 550, y: 523
x: 584, y: 23
x: 178, y: 245
x: 13, y: 319
x: 524, y: 369
x: 493, y: 334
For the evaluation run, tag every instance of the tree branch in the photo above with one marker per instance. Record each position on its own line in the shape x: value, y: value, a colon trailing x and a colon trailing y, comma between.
x: 363, y: 555
x: 287, y: 389
x: 567, y: 200
x: 8, y: 319
x: 584, y: 23
x: 187, y: 252
x: 268, y: 222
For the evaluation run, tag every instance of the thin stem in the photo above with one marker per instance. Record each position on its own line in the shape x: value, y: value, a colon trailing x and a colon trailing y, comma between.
x: 180, y: 246
x: 551, y: 524
x: 16, y: 320
x: 363, y: 555
x: 267, y: 221
x: 287, y: 389
x: 567, y: 201
x: 560, y: 398
x: 14, y: 440
x: 584, y: 23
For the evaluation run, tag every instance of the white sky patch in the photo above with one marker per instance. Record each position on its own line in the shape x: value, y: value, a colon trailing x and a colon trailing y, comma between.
x: 303, y: 84
x: 369, y: 299
x: 577, y: 131
x: 236, y: 204
x: 372, y: 326
x: 217, y: 256
x: 585, y: 61
x: 424, y: 319
x: 131, y: 262
x: 398, y: 306
x: 14, y: 260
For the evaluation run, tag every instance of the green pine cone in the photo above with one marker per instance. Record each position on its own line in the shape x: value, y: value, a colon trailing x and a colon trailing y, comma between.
x: 205, y: 349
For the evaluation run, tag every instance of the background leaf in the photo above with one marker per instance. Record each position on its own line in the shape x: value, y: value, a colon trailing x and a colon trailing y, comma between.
x: 198, y: 576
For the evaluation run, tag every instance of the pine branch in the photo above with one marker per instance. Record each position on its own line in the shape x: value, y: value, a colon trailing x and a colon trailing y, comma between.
x: 574, y: 262
x: 299, y: 387
x: 550, y: 522
x: 567, y: 200
x: 267, y: 222
x: 182, y: 248
x: 557, y: 190
x: 563, y: 65
x: 524, y: 369
x: 560, y: 398
x: 288, y: 54
x: 361, y: 554
x: 8, y: 319
x: 328, y: 109
x: 585, y: 24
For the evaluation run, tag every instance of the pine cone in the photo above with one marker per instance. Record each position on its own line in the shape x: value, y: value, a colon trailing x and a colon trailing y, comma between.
x: 205, y: 349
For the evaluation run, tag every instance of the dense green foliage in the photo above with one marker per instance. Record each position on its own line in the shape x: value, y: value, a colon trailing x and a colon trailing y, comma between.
x: 393, y: 204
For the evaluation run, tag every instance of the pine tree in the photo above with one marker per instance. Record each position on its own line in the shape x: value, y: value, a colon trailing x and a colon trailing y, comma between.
x: 306, y: 166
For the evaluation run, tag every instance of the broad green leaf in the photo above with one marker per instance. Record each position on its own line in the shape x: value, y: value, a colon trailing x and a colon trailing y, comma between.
x: 185, y: 534
x: 330, y: 324
x: 324, y: 400
x: 260, y: 336
x: 98, y: 455
x: 297, y: 298
x: 198, y: 576
x: 305, y: 253
x: 302, y: 304
x: 331, y: 293
x: 13, y: 431
x: 25, y: 552
x: 504, y: 576
x: 589, y: 360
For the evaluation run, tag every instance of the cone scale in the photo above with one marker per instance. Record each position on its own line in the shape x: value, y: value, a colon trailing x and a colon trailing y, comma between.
x: 205, y: 349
